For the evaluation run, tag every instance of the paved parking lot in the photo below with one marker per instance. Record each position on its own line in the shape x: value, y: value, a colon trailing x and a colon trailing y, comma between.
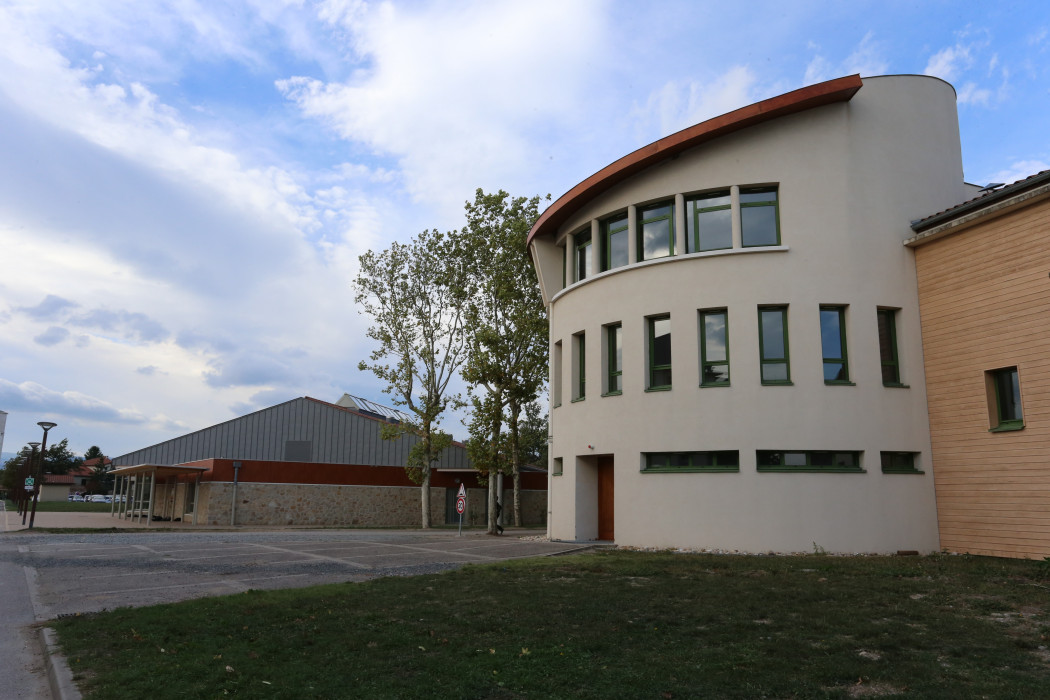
x: 86, y: 573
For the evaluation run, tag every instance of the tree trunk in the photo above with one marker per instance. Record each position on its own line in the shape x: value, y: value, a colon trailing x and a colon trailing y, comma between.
x: 425, y: 489
x: 497, y: 426
x: 515, y: 459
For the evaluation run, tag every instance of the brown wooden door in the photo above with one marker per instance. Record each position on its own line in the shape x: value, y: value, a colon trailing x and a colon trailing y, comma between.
x: 605, y: 499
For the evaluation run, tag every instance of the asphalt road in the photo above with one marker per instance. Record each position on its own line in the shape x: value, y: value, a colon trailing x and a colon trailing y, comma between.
x: 46, y: 575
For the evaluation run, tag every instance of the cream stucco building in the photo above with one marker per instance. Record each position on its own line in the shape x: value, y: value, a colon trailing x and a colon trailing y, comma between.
x: 736, y: 356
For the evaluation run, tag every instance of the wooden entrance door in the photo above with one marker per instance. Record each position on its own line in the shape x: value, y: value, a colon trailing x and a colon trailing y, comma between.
x: 605, y: 498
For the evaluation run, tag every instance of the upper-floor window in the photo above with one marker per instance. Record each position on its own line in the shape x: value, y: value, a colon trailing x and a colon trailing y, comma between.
x: 833, y: 344
x: 556, y: 375
x: 773, y: 345
x: 614, y: 359
x: 709, y: 222
x: 614, y: 242
x: 582, y: 265
x: 660, y: 352
x: 891, y: 369
x: 714, y: 348
x: 579, y: 391
x: 656, y: 231
x: 1006, y: 413
x: 759, y: 216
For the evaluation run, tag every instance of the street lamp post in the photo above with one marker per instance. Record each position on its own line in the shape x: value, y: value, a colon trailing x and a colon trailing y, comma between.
x: 46, y: 425
x: 24, y: 472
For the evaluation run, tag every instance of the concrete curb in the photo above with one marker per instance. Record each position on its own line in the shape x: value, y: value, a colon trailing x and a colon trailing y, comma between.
x: 59, y: 676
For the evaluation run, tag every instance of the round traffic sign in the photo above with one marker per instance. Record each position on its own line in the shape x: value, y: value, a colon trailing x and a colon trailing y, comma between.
x: 461, y: 505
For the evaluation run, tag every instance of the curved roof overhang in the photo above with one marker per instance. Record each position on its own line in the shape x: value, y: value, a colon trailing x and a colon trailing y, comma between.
x: 838, y: 90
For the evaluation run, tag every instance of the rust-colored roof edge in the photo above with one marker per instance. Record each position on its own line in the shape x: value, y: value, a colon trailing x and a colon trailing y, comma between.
x: 837, y: 90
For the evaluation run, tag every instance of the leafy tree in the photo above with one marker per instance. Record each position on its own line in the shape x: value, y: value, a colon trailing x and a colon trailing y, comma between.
x: 533, y: 432
x: 58, y: 459
x: 12, y: 471
x: 93, y: 452
x: 416, y: 295
x: 508, y: 331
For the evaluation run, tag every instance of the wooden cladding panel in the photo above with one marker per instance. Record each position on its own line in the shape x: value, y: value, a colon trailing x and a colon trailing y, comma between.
x: 984, y: 298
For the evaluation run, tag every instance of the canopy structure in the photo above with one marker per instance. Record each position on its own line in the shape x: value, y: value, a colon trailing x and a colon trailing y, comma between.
x: 136, y: 493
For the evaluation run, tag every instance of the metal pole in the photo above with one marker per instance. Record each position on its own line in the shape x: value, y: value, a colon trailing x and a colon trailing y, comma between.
x: 36, y: 488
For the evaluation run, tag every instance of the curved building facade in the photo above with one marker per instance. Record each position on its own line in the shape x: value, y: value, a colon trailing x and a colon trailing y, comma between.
x: 736, y: 360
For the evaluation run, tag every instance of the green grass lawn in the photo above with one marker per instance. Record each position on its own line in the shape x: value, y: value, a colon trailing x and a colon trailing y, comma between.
x: 64, y: 507
x: 606, y: 625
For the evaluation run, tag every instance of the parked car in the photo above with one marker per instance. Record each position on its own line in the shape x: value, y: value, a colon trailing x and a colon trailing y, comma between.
x: 77, y: 498
x: 97, y: 498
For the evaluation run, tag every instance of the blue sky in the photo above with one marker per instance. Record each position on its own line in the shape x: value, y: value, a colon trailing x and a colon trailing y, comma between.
x: 185, y: 186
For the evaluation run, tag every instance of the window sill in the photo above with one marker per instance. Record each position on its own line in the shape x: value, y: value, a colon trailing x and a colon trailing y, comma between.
x: 556, y: 473
x: 657, y: 388
x: 779, y: 383
x: 814, y: 470
x: 557, y: 405
x: 839, y: 383
x: 690, y: 470
x: 903, y: 471
x: 713, y: 386
x: 578, y: 399
x: 896, y: 386
x: 1007, y: 427
x: 612, y: 393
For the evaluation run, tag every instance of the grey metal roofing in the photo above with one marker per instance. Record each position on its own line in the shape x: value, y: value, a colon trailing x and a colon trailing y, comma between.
x: 336, y: 435
x: 981, y: 201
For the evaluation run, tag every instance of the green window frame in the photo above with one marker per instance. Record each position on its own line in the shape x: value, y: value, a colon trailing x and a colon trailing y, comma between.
x: 704, y: 461
x: 833, y: 345
x: 582, y: 257
x: 656, y: 231
x: 614, y: 359
x: 1006, y: 391
x: 659, y: 353
x: 891, y: 368
x: 774, y: 356
x: 759, y: 216
x: 556, y: 377
x: 580, y: 385
x: 615, y: 242
x: 833, y: 461
x: 900, y: 463
x: 709, y: 222
x: 714, y: 347
x: 557, y: 467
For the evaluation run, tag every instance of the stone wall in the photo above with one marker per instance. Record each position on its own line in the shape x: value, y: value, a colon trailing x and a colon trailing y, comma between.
x: 349, y: 506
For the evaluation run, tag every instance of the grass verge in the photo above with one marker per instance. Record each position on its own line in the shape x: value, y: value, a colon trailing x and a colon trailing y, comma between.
x: 610, y: 624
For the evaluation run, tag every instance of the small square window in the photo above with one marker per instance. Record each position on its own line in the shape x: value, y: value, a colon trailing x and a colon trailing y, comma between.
x: 900, y: 462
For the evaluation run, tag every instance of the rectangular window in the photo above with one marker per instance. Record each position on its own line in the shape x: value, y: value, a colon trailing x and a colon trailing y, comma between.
x: 656, y: 231
x: 714, y: 348
x: 900, y: 462
x: 556, y: 468
x: 709, y: 222
x: 580, y: 383
x: 1005, y: 390
x: 614, y: 359
x: 614, y: 242
x: 759, y: 216
x: 773, y: 345
x: 659, y: 353
x: 807, y: 461
x: 833, y: 344
x: 891, y: 371
x: 556, y: 375
x: 711, y: 461
x: 582, y: 240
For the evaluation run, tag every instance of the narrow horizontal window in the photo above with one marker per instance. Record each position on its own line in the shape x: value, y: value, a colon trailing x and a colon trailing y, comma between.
x: 708, y: 461
x: 807, y: 461
x: 900, y: 462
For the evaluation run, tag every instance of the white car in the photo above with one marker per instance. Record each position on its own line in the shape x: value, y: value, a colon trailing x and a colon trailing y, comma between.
x: 98, y: 498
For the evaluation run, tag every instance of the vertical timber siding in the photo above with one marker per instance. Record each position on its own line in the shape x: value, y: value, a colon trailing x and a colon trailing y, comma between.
x: 984, y: 296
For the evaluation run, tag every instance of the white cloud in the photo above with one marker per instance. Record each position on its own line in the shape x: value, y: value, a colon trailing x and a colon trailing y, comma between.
x: 677, y: 105
x: 867, y: 59
x: 1019, y: 170
x: 949, y: 63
